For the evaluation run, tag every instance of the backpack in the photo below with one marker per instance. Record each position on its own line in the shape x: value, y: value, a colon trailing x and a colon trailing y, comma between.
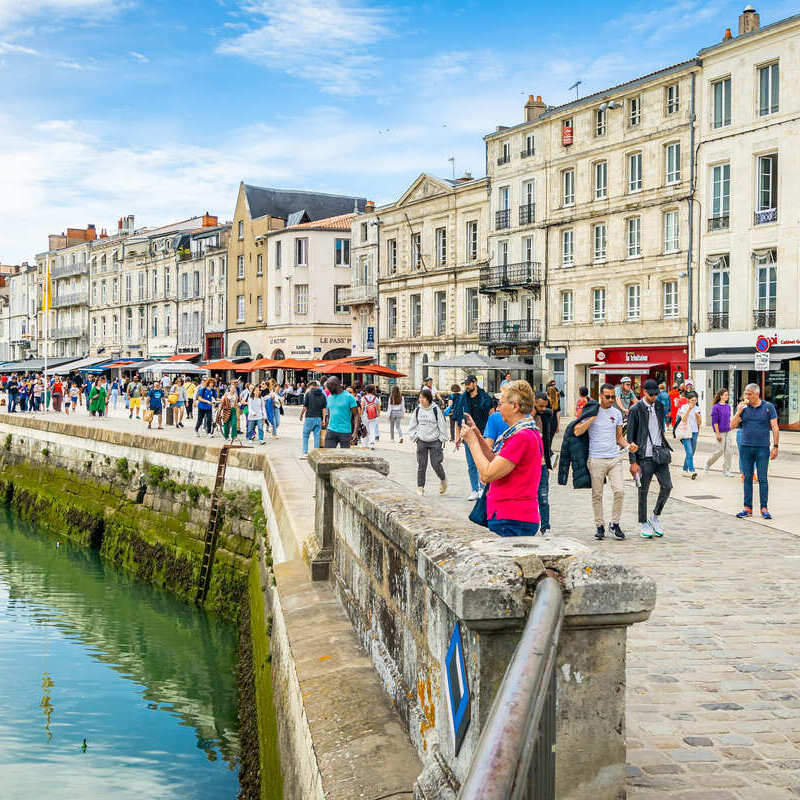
x: 435, y: 413
x: 372, y: 407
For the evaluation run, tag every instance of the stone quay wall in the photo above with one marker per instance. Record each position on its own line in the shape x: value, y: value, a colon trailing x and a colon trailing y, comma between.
x: 407, y: 575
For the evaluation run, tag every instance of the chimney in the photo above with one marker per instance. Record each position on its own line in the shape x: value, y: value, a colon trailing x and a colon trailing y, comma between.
x: 727, y: 36
x: 749, y: 20
x: 369, y: 207
x: 119, y: 225
x: 103, y: 234
x: 534, y: 108
x: 467, y: 176
x: 91, y: 233
x: 209, y: 220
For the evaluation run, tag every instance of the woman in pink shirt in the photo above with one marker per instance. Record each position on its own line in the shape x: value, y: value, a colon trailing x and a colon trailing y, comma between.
x: 512, y: 467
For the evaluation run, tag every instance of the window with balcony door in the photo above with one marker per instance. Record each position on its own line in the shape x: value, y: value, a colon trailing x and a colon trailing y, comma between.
x: 599, y: 237
x: 259, y: 264
x: 441, y: 247
x: 720, y: 197
x: 472, y: 241
x: 504, y: 153
x: 391, y: 317
x: 719, y: 292
x: 240, y: 268
x: 766, y: 294
x: 601, y: 180
x: 567, y: 248
x: 502, y: 252
x: 184, y: 285
x: 338, y: 306
x: 635, y: 172
x: 341, y: 252
x: 301, y: 298
x: 416, y: 250
x: 391, y: 256
x: 670, y: 299
x: 115, y: 289
x: 440, y: 304
x: 634, y: 111
x: 472, y: 310
x: 721, y: 98
x: 568, y: 187
x: 260, y: 308
x: 527, y: 211
x: 598, y: 305
x: 768, y: 89
x: 672, y: 97
x: 671, y: 231
x: 240, y: 308
x: 767, y: 189
x: 128, y: 289
x: 527, y: 249
x: 103, y: 295
x: 633, y: 295
x: 566, y: 306
x: 196, y: 283
x: 673, y: 162
x: 502, y: 216
x: 167, y: 320
x: 600, y: 122
x: 94, y: 293
x: 154, y: 320
x: 530, y: 146
x: 301, y: 252
x: 142, y: 324
x: 416, y: 314
x: 634, y: 227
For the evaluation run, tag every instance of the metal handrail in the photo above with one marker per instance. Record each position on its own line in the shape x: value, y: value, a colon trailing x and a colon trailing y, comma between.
x: 514, y: 759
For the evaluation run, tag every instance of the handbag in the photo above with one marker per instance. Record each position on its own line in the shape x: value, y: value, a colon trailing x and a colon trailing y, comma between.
x: 478, y: 515
x: 661, y: 454
x: 147, y: 415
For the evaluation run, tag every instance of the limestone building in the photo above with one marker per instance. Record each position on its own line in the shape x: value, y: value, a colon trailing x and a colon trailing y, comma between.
x: 23, y: 295
x: 259, y: 212
x: 748, y: 192
x: 427, y: 252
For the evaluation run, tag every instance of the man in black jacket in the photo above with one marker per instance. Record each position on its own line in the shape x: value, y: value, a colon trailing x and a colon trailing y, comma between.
x: 646, y: 430
x: 546, y: 420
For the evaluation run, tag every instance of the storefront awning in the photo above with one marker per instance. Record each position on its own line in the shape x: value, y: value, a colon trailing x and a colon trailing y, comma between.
x: 736, y: 361
x: 639, y: 368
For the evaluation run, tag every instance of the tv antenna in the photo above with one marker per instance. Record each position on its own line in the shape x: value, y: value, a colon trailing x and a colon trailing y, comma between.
x: 575, y: 87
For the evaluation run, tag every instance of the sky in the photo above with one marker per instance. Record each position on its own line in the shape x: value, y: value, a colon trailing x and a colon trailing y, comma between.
x: 159, y: 109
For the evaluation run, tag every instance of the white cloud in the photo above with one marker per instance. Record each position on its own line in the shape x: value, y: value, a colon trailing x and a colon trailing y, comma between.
x: 13, y: 12
x: 139, y: 56
x: 16, y: 49
x: 328, y: 45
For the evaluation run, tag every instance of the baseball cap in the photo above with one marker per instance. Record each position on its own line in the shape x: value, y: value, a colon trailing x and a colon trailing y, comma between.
x: 651, y: 386
x: 626, y: 379
x: 470, y: 379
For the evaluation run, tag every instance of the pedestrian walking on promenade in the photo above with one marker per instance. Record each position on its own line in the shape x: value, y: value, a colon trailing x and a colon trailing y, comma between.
x: 663, y: 398
x: 605, y: 459
x: 721, y: 423
x: 371, y: 414
x: 134, y: 392
x: 650, y: 455
x: 554, y: 398
x: 311, y: 415
x: 687, y: 427
x: 343, y: 418
x: 511, y: 467
x: 191, y: 388
x: 205, y: 395
x: 74, y: 395
x: 274, y: 406
x: 583, y: 398
x: 757, y: 418
x: 452, y: 399
x: 428, y: 429
x: 177, y: 394
x: 58, y: 394
x: 624, y: 396
x: 155, y: 397
x: 97, y: 398
x: 256, y: 413
x: 478, y: 404
x: 546, y: 422
x: 114, y: 393
x: 227, y: 414
x: 12, y: 387
x: 397, y: 410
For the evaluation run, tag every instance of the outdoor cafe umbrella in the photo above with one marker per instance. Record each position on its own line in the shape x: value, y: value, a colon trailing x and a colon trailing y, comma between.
x: 479, y: 361
x: 261, y: 363
x: 222, y: 364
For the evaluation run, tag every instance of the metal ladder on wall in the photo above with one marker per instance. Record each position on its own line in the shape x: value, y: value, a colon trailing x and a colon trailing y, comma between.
x: 210, y: 543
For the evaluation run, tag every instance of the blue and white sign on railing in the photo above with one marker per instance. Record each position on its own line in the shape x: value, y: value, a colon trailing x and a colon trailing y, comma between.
x: 457, y: 688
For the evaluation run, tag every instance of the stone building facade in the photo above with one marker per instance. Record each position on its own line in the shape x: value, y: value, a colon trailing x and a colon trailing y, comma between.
x: 427, y: 251
x: 23, y: 319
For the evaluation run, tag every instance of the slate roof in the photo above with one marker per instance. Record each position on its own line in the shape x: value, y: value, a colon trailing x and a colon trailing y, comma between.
x: 283, y: 203
x: 341, y: 222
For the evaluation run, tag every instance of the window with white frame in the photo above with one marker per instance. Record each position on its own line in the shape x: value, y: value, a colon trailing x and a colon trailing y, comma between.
x: 673, y: 162
x: 505, y: 153
x: 260, y: 307
x: 301, y: 298
x: 94, y: 292
x: 598, y: 304
x: 472, y: 240
x: 391, y: 256
x: 129, y: 323
x: 391, y: 317
x: 634, y: 226
x: 142, y: 285
x: 719, y: 290
x: 241, y: 230
x: 530, y: 146
x: 721, y: 93
x: 115, y: 326
x: 670, y: 299
x: 634, y: 172
x: 567, y: 248
x: 566, y: 306
x: 301, y: 252
x: 766, y: 287
x: 600, y: 180
x: 416, y: 250
x: 633, y: 296
x: 720, y: 196
x: 415, y: 301
x: 767, y: 199
x: 196, y: 283
x: 472, y: 310
x: 568, y: 187
x: 673, y: 98
x: 277, y: 255
x: 441, y: 247
x: 600, y: 122
x: 278, y: 301
x: 142, y: 323
x: 503, y: 198
x: 94, y: 327
x: 184, y: 285
x: 259, y: 264
x: 599, y: 236
x: 440, y: 311
x: 527, y: 211
x: 240, y: 268
x: 341, y: 252
x: 527, y: 249
x: 338, y: 306
x: 128, y: 289
x: 671, y: 231
x: 634, y: 111
x: 502, y: 252
x: 155, y: 283
x: 166, y: 320
x: 768, y: 89
x: 240, y: 308
x: 364, y: 232
x: 154, y: 321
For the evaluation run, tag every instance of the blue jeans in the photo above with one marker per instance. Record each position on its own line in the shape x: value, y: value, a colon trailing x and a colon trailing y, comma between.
x: 311, y: 425
x: 474, y: 482
x: 689, y: 445
x: 739, y: 449
x: 252, y: 424
x: 513, y: 527
x: 543, y: 498
x: 757, y: 457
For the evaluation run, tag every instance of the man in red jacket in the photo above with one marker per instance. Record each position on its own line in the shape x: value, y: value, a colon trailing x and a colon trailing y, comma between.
x: 676, y: 397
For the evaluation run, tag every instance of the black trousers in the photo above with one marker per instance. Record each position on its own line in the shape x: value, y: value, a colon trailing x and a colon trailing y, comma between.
x: 203, y: 418
x: 650, y: 468
x: 435, y: 451
x: 333, y: 439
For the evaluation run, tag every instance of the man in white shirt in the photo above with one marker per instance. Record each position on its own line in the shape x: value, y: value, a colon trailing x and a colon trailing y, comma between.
x: 605, y: 459
x: 166, y: 382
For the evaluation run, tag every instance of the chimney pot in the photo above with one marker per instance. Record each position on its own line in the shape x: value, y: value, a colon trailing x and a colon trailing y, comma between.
x: 369, y: 207
x: 749, y: 20
x: 728, y: 35
x: 534, y: 108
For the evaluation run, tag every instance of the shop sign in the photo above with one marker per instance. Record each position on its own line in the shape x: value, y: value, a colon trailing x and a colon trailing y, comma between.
x: 277, y: 340
x: 635, y: 357
x: 566, y: 135
x: 334, y: 340
x: 599, y: 355
x: 762, y: 362
x: 370, y: 337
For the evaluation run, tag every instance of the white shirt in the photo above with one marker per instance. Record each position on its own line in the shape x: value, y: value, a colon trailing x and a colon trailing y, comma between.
x: 166, y: 382
x: 603, y: 433
x: 654, y: 431
x: 693, y: 415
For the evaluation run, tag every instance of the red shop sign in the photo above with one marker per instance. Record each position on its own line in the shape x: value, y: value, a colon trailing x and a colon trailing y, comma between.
x: 566, y: 135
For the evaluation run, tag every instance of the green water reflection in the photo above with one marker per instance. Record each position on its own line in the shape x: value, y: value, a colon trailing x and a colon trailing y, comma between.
x: 89, y: 653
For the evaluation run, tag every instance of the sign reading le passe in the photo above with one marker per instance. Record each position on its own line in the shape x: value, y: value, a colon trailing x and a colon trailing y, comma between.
x: 762, y: 362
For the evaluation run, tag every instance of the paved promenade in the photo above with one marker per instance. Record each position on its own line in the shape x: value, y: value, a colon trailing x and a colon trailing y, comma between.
x: 714, y: 675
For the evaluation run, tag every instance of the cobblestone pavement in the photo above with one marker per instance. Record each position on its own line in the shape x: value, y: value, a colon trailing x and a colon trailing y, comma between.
x: 714, y: 676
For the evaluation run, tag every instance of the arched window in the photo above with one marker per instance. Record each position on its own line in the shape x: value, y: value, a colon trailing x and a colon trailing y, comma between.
x: 242, y: 349
x: 278, y: 355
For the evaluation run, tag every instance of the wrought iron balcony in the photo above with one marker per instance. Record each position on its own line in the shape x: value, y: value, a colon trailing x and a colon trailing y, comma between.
x: 500, y: 277
x: 527, y: 153
x: 766, y: 215
x: 502, y: 218
x: 512, y: 331
x: 72, y: 299
x: 764, y: 319
x: 718, y: 320
x: 79, y: 268
x: 68, y: 333
x: 503, y: 160
x: 721, y: 223
x: 527, y: 214
x: 362, y: 294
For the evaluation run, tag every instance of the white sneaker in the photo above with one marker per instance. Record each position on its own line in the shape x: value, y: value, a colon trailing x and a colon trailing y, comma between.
x: 728, y: 474
x: 303, y: 455
x: 473, y: 496
x: 420, y: 490
x: 655, y: 523
x: 647, y: 531
x: 706, y: 468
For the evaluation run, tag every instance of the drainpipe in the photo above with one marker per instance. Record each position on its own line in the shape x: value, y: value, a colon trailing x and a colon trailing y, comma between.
x: 690, y: 282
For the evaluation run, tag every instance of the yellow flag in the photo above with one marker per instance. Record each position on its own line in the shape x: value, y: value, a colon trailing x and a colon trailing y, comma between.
x: 47, y: 290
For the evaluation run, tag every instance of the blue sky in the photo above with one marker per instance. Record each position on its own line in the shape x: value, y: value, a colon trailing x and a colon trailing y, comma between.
x: 159, y: 109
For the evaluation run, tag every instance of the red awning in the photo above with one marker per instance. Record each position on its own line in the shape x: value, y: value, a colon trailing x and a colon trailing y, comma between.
x: 261, y: 363
x: 119, y: 364
x: 182, y: 357
x: 639, y: 368
x: 222, y: 364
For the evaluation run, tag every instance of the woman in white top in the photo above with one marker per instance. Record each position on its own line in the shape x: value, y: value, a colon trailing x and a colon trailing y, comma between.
x: 428, y: 428
x: 257, y: 414
x: 275, y: 397
x: 397, y: 410
x: 687, y: 428
x: 371, y: 414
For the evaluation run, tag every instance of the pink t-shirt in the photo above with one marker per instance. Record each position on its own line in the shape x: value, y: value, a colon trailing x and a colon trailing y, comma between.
x: 515, y: 495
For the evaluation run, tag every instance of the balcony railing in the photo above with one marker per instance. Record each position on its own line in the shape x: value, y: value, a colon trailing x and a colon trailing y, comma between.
x: 764, y: 319
x: 67, y: 333
x: 718, y: 320
x: 766, y: 215
x: 721, y: 223
x: 527, y: 153
x: 71, y: 299
x: 512, y: 331
x: 498, y: 277
x: 503, y: 160
x: 358, y: 295
x: 527, y: 214
x: 79, y: 268
x: 502, y: 218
